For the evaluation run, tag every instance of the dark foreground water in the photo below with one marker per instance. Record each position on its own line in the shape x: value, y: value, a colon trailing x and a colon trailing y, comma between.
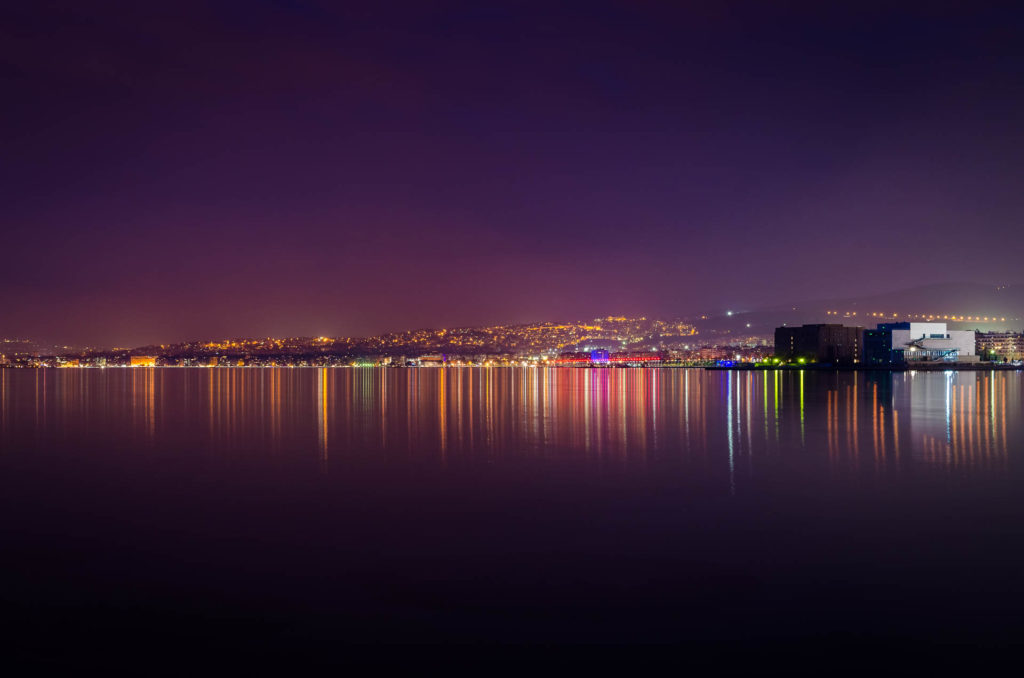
x: 166, y: 517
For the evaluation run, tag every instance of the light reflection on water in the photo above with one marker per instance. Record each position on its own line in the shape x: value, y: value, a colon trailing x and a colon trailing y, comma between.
x: 725, y: 422
x: 578, y: 506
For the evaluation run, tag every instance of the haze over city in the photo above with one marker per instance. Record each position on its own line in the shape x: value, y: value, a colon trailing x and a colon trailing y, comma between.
x: 200, y: 170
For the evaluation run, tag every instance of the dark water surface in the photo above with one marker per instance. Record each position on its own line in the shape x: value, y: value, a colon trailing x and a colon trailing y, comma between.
x: 313, y: 515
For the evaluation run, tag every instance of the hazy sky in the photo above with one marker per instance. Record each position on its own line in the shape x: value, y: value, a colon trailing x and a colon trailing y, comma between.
x: 179, y: 170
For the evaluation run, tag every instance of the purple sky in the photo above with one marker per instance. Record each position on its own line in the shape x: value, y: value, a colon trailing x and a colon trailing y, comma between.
x: 180, y: 170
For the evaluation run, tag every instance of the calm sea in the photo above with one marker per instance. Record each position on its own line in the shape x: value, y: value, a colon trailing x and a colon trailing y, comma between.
x: 319, y: 514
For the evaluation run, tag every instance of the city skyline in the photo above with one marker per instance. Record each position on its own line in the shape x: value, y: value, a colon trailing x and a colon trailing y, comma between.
x: 615, y: 340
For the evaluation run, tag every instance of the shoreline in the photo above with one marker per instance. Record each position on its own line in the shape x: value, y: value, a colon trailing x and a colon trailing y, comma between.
x: 951, y: 367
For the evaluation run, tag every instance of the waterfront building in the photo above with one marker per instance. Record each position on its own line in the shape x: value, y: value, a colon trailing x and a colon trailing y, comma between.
x: 822, y: 343
x: 999, y: 346
x: 143, y: 361
x: 907, y: 342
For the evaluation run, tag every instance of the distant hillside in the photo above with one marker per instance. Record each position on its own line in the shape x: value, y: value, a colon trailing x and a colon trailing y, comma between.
x: 982, y: 307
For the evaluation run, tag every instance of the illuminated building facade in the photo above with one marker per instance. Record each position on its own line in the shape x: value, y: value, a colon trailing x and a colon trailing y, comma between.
x: 999, y: 346
x: 899, y: 343
x: 604, y: 358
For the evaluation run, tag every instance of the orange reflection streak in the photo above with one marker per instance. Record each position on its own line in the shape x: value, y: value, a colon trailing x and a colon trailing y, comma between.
x: 830, y: 426
x: 276, y: 404
x: 875, y: 432
x: 460, y: 378
x: 856, y: 432
x: 4, y: 402
x: 881, y: 429
x: 657, y: 384
x: 489, y: 407
x: 408, y: 412
x: 987, y: 415
x: 896, y: 435
x: 209, y: 399
x: 235, y: 398
x: 151, y: 402
x: 849, y: 421
x: 322, y: 423
x: 970, y: 424
x: 1003, y: 414
x: 384, y: 376
x: 442, y: 412
x: 992, y: 413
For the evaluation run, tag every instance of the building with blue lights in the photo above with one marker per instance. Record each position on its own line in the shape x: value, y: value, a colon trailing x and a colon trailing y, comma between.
x: 907, y: 342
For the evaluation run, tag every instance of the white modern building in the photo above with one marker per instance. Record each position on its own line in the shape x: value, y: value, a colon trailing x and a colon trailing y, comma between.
x: 893, y: 343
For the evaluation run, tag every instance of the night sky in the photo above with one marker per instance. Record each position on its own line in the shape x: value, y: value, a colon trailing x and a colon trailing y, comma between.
x: 177, y: 170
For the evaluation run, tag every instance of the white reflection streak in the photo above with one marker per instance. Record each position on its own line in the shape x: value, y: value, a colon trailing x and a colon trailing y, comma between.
x: 732, y: 452
x: 949, y: 414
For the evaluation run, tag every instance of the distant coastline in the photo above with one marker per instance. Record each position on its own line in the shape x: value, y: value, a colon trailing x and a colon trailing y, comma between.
x: 742, y: 367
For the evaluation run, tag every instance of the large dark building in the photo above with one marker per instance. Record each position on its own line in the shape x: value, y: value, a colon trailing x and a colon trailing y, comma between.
x: 878, y: 347
x: 836, y: 344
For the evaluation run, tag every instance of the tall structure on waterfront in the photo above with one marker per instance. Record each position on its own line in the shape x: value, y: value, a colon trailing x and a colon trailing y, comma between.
x: 825, y: 343
x: 898, y: 343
